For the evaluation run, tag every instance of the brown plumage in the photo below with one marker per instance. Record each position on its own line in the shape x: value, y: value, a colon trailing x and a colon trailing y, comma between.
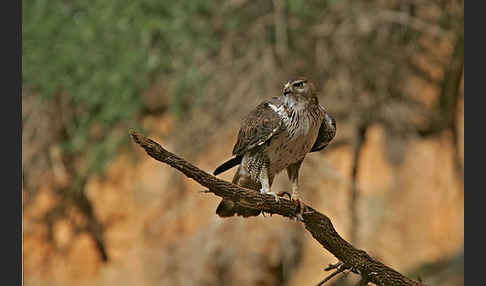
x: 275, y: 136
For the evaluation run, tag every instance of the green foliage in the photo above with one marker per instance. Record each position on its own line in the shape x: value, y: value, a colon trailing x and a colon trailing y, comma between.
x: 102, y: 54
x: 309, y: 9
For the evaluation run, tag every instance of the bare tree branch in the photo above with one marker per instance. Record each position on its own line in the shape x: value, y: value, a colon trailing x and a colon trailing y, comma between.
x: 353, y: 202
x: 317, y: 224
x: 281, y: 41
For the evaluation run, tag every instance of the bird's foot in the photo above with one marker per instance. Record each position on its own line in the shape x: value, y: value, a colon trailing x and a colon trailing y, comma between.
x: 277, y: 198
x: 283, y: 193
x: 268, y: 192
x: 300, y: 208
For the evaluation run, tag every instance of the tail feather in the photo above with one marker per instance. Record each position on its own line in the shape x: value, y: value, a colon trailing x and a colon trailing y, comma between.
x: 227, y: 165
x: 227, y: 208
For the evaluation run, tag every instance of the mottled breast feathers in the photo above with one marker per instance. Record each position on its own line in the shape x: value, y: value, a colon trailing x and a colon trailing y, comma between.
x: 259, y: 126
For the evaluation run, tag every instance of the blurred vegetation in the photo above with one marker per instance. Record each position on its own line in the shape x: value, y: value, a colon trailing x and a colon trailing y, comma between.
x: 101, y: 55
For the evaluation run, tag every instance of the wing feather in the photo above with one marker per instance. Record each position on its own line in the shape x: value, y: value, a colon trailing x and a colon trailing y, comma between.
x: 327, y: 131
x: 259, y: 126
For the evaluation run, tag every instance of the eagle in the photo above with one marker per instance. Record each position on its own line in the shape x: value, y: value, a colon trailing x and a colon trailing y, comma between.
x: 277, y: 135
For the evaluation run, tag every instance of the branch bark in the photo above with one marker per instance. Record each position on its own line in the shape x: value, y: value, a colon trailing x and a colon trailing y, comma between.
x: 319, y: 225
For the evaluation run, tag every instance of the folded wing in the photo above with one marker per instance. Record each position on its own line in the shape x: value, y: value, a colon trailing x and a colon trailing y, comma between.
x: 327, y: 131
x: 259, y: 127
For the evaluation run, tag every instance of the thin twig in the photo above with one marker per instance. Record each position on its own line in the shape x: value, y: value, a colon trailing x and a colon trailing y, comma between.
x: 333, y: 266
x: 341, y: 268
x: 413, y: 22
x: 360, y: 137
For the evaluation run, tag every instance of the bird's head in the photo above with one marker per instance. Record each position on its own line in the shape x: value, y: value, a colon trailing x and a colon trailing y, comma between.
x: 300, y: 88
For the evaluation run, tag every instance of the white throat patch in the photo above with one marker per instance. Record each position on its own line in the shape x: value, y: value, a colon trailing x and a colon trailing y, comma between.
x: 281, y: 111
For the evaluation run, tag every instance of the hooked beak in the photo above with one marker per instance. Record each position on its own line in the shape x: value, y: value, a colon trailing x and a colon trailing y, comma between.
x: 286, y: 89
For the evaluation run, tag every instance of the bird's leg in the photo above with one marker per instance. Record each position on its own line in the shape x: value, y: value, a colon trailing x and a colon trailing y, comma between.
x: 265, y: 182
x: 293, y: 173
x: 296, y: 199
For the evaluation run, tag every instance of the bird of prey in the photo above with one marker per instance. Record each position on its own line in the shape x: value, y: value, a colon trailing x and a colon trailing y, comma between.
x: 275, y: 136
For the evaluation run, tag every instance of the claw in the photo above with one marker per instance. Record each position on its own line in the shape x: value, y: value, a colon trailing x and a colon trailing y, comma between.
x: 277, y: 198
x: 267, y: 214
x: 282, y: 194
x: 299, y: 217
x: 268, y: 192
x: 300, y: 209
